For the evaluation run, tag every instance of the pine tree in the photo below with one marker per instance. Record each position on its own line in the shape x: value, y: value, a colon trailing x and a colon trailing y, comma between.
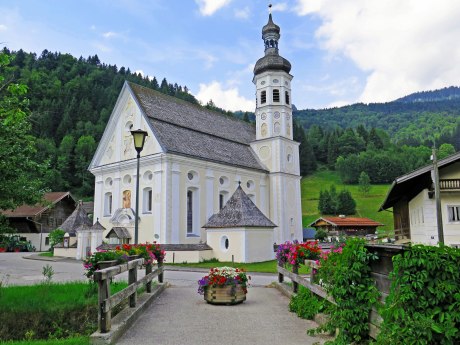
x: 364, y: 183
x: 345, y: 203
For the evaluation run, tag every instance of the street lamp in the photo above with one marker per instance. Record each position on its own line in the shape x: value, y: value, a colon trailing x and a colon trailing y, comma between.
x: 139, y: 140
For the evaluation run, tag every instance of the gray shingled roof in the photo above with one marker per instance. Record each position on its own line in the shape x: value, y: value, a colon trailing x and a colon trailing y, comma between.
x: 239, y: 211
x: 77, y: 219
x: 121, y: 232
x: 188, y: 129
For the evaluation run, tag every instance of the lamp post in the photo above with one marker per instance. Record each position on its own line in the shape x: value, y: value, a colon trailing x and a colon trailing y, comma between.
x: 139, y: 140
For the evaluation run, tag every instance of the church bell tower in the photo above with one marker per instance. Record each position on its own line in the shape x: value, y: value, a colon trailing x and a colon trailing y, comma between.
x: 274, y: 145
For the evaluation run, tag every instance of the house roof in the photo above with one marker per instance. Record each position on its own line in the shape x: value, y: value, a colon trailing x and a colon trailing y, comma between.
x: 121, y: 232
x: 191, y: 130
x: 77, y: 220
x: 239, y: 211
x: 409, y: 185
x: 347, y: 221
x: 32, y: 211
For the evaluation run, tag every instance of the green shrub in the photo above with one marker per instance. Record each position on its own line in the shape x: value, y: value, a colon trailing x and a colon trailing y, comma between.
x: 423, y: 306
x: 306, y: 304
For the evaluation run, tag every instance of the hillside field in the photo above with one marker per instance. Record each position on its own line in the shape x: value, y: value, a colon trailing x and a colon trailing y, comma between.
x: 366, y: 205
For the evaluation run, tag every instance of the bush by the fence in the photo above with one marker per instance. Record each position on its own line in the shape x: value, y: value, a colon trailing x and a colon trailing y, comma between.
x: 423, y: 306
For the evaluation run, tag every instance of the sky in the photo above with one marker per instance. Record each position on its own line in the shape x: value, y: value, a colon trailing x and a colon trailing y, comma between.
x: 342, y: 52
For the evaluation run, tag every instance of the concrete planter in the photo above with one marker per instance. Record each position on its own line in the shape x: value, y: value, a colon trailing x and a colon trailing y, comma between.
x: 226, y: 295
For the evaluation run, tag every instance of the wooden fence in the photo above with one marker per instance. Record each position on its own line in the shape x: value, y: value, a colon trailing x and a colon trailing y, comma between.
x: 380, y: 270
x: 108, y: 302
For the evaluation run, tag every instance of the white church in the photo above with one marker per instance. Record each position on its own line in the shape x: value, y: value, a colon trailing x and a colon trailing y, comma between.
x: 193, y: 162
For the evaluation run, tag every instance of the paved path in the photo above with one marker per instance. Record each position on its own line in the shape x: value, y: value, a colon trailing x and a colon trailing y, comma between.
x: 181, y: 317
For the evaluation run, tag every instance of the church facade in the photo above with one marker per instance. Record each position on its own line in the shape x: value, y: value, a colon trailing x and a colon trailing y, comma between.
x: 194, y: 159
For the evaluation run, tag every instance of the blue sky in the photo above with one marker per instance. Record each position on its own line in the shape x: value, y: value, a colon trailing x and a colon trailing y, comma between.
x: 342, y: 52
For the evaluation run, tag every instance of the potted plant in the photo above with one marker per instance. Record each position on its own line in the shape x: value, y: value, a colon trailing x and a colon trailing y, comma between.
x: 224, y: 285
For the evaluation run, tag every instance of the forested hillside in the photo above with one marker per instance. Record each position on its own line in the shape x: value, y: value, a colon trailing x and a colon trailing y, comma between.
x: 415, y: 119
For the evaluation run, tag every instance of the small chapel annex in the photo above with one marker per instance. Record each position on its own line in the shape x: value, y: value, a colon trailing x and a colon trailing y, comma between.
x: 194, y: 160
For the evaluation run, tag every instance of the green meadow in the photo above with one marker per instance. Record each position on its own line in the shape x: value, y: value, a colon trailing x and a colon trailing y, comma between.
x: 366, y: 205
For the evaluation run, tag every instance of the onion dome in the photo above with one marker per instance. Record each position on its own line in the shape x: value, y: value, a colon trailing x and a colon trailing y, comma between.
x: 272, y: 60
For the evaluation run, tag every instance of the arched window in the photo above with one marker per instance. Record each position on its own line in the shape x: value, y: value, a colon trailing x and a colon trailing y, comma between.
x: 147, y: 200
x: 222, y: 199
x: 287, y: 97
x: 263, y: 97
x: 107, y: 204
x: 189, y: 212
x: 276, y: 95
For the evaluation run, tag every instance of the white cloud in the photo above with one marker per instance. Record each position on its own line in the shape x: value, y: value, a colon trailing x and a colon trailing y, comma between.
x: 243, y: 13
x: 3, y: 27
x: 209, y: 7
x: 280, y: 7
x: 109, y: 34
x: 404, y: 46
x: 226, y: 98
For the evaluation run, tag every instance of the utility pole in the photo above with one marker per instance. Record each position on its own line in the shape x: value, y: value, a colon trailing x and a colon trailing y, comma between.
x: 437, y: 197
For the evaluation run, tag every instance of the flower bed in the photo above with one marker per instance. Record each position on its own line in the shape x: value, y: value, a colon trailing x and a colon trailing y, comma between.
x: 294, y: 253
x: 224, y: 285
x: 150, y: 252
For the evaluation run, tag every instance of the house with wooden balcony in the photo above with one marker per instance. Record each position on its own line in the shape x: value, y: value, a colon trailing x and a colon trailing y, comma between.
x: 411, y: 198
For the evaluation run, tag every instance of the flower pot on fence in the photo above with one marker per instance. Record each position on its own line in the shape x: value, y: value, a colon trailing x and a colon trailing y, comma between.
x: 227, y: 295
x: 106, y: 264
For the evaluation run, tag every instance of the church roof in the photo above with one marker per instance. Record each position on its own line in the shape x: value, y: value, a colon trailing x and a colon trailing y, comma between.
x: 188, y: 129
x: 239, y: 211
x: 78, y: 219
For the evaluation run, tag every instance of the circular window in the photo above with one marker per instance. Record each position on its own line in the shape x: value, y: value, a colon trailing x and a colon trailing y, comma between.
x: 148, y: 176
x: 263, y: 116
x: 277, y: 115
x: 276, y: 81
x: 192, y: 176
x: 250, y: 184
x: 223, y: 180
x: 156, y: 236
x: 224, y: 243
x: 128, y: 126
x: 127, y: 179
x: 108, y: 182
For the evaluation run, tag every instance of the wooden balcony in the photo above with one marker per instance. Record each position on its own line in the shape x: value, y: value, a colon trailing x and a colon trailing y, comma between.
x: 449, y: 184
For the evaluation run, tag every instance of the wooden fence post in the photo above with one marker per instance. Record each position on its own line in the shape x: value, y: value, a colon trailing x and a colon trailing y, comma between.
x: 280, y: 276
x: 105, y: 318
x: 132, y: 278
x: 160, y: 276
x: 295, y: 285
x: 148, y: 269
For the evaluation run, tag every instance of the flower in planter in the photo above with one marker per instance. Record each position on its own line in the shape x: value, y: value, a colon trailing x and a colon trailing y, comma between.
x: 224, y: 276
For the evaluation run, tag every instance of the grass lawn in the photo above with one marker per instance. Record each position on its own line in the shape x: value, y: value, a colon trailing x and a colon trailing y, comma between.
x: 69, y: 341
x: 261, y: 267
x: 48, y: 254
x: 366, y: 205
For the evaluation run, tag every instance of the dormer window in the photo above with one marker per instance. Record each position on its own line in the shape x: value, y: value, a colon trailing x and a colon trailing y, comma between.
x: 276, y: 95
x: 287, y: 97
x: 263, y: 97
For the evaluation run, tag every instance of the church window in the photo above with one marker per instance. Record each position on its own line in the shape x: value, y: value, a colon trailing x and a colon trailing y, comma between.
x: 276, y: 81
x: 108, y: 182
x: 276, y: 115
x: 148, y: 176
x: 189, y: 212
x: 263, y: 116
x: 127, y: 179
x: 250, y: 184
x: 276, y: 95
x: 263, y: 97
x: 147, y: 200
x: 192, y: 176
x: 287, y: 97
x: 107, y: 204
x: 221, y: 201
x: 223, y: 181
x: 224, y: 243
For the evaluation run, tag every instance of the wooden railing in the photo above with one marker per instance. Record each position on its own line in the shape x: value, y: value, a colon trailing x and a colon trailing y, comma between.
x: 108, y: 302
x: 449, y: 184
x: 380, y: 270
